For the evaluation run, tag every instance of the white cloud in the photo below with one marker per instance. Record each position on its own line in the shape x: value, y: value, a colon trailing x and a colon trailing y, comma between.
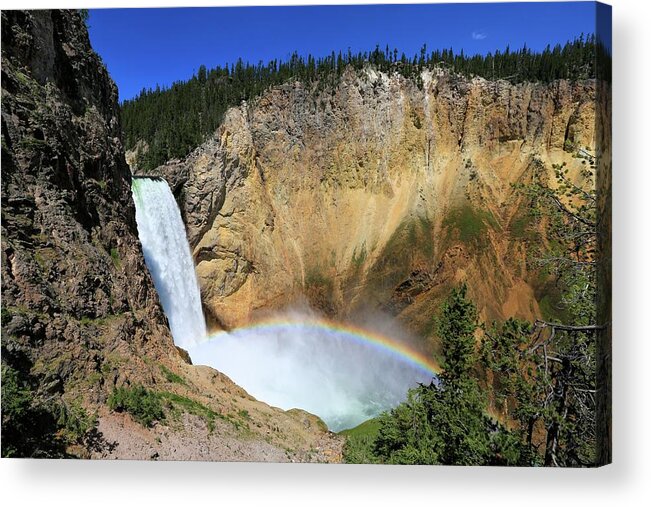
x: 479, y: 35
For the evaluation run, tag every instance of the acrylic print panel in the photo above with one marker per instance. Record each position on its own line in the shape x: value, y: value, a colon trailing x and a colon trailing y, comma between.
x: 339, y: 236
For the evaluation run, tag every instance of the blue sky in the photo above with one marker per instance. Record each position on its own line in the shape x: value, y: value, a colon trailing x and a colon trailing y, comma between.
x: 146, y: 47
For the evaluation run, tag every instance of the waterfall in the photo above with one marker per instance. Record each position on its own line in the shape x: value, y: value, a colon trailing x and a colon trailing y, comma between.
x: 168, y: 257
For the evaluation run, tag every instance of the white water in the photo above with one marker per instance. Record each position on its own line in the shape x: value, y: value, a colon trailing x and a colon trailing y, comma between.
x: 168, y: 257
x: 324, y: 371
x: 335, y: 374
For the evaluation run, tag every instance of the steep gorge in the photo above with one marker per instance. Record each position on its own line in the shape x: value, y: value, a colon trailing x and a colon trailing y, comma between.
x: 373, y: 195
x: 80, y: 315
x: 378, y: 193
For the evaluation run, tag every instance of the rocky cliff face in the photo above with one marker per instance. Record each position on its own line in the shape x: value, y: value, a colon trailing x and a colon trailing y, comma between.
x: 74, y: 285
x: 80, y: 315
x: 376, y: 193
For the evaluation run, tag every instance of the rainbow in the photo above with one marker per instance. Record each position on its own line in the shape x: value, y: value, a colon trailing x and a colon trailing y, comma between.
x: 352, y: 332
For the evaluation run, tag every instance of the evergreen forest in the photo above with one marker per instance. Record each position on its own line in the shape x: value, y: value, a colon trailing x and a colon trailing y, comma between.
x: 173, y: 121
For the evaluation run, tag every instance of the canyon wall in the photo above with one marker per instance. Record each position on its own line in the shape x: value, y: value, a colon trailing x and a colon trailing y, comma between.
x: 378, y: 193
x: 74, y: 284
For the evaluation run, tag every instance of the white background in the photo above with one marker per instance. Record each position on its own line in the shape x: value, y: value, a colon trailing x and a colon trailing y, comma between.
x: 626, y: 482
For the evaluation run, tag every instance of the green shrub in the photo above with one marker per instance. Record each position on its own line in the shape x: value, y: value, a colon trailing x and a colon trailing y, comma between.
x: 115, y: 257
x: 172, y: 377
x: 569, y: 146
x: 29, y: 425
x: 75, y: 422
x: 16, y: 409
x: 143, y: 405
x: 191, y: 407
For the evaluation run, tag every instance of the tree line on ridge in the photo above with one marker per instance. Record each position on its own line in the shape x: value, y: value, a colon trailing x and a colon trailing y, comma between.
x: 173, y: 120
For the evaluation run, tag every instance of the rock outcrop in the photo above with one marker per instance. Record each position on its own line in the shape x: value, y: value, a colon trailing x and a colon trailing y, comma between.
x: 75, y: 289
x: 80, y: 315
x: 380, y: 191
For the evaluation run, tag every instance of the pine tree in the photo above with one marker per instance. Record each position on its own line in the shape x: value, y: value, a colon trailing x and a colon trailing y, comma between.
x: 547, y: 371
x: 456, y: 329
x: 446, y: 422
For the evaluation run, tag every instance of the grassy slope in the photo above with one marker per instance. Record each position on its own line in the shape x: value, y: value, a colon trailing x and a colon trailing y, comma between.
x: 359, y: 441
